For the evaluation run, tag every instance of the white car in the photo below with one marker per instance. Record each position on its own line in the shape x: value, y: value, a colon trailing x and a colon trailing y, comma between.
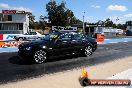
x: 29, y: 36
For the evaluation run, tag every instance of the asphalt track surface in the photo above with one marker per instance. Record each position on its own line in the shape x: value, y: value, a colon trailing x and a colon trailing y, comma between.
x: 12, y: 70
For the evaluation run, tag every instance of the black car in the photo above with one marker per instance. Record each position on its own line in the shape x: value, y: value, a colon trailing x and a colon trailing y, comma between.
x: 58, y: 44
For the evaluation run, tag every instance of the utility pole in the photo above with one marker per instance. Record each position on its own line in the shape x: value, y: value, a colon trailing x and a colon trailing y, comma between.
x: 51, y: 0
x: 83, y: 23
x: 117, y: 19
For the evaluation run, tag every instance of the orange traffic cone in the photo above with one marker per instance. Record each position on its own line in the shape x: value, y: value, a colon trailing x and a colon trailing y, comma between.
x: 84, y: 80
x: 84, y: 73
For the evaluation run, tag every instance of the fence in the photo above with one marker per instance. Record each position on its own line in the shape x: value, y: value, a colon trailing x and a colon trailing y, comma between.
x: 7, y: 40
x: 10, y: 43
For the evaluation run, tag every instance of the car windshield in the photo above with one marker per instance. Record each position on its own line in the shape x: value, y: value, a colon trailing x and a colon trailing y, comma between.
x: 26, y: 34
x: 50, y: 36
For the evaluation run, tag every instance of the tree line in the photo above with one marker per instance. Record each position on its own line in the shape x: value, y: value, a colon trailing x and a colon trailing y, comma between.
x: 59, y: 15
x: 110, y: 23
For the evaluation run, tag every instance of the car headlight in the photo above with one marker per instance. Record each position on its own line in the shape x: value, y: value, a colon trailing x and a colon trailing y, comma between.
x: 28, y: 48
x: 43, y: 47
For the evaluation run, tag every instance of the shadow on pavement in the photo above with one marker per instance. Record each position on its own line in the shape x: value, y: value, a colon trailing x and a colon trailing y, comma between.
x: 65, y: 57
x: 18, y: 60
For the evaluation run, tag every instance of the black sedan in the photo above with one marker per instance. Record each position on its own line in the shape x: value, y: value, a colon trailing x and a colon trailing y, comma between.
x: 57, y: 44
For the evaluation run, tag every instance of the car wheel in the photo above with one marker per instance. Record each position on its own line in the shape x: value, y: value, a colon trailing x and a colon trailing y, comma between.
x: 20, y: 39
x: 88, y: 50
x: 40, y: 56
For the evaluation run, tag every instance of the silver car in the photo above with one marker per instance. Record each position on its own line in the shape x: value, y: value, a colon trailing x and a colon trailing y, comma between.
x: 29, y: 36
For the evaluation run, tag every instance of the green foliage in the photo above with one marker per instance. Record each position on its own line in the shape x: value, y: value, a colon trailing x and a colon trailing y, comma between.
x: 121, y: 26
x: 108, y: 23
x: 51, y: 9
x: 31, y: 20
x: 36, y: 25
x: 59, y: 15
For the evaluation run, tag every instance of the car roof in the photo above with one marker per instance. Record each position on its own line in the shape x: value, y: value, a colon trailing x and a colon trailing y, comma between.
x: 73, y: 33
x: 64, y: 32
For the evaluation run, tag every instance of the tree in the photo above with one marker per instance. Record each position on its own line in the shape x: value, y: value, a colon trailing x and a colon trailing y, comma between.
x: 114, y: 25
x: 121, y: 26
x: 100, y: 22
x: 36, y: 25
x: 59, y: 15
x: 52, y: 9
x: 42, y: 23
x: 31, y: 20
x: 76, y: 21
x: 108, y: 23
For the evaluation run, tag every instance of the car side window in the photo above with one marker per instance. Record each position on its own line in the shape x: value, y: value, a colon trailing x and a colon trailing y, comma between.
x: 65, y: 37
x: 26, y: 34
x: 77, y: 37
x: 34, y: 33
x: 29, y: 33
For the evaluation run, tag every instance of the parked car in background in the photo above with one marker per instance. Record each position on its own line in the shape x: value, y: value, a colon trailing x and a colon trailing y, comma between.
x: 57, y: 44
x: 28, y: 36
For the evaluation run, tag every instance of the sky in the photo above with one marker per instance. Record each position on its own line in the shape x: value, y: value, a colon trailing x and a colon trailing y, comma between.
x: 118, y: 11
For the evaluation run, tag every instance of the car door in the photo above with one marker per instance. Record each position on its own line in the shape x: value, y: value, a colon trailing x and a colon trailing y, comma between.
x: 29, y: 35
x: 60, y: 46
x: 64, y: 44
x: 77, y: 42
x: 33, y: 35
